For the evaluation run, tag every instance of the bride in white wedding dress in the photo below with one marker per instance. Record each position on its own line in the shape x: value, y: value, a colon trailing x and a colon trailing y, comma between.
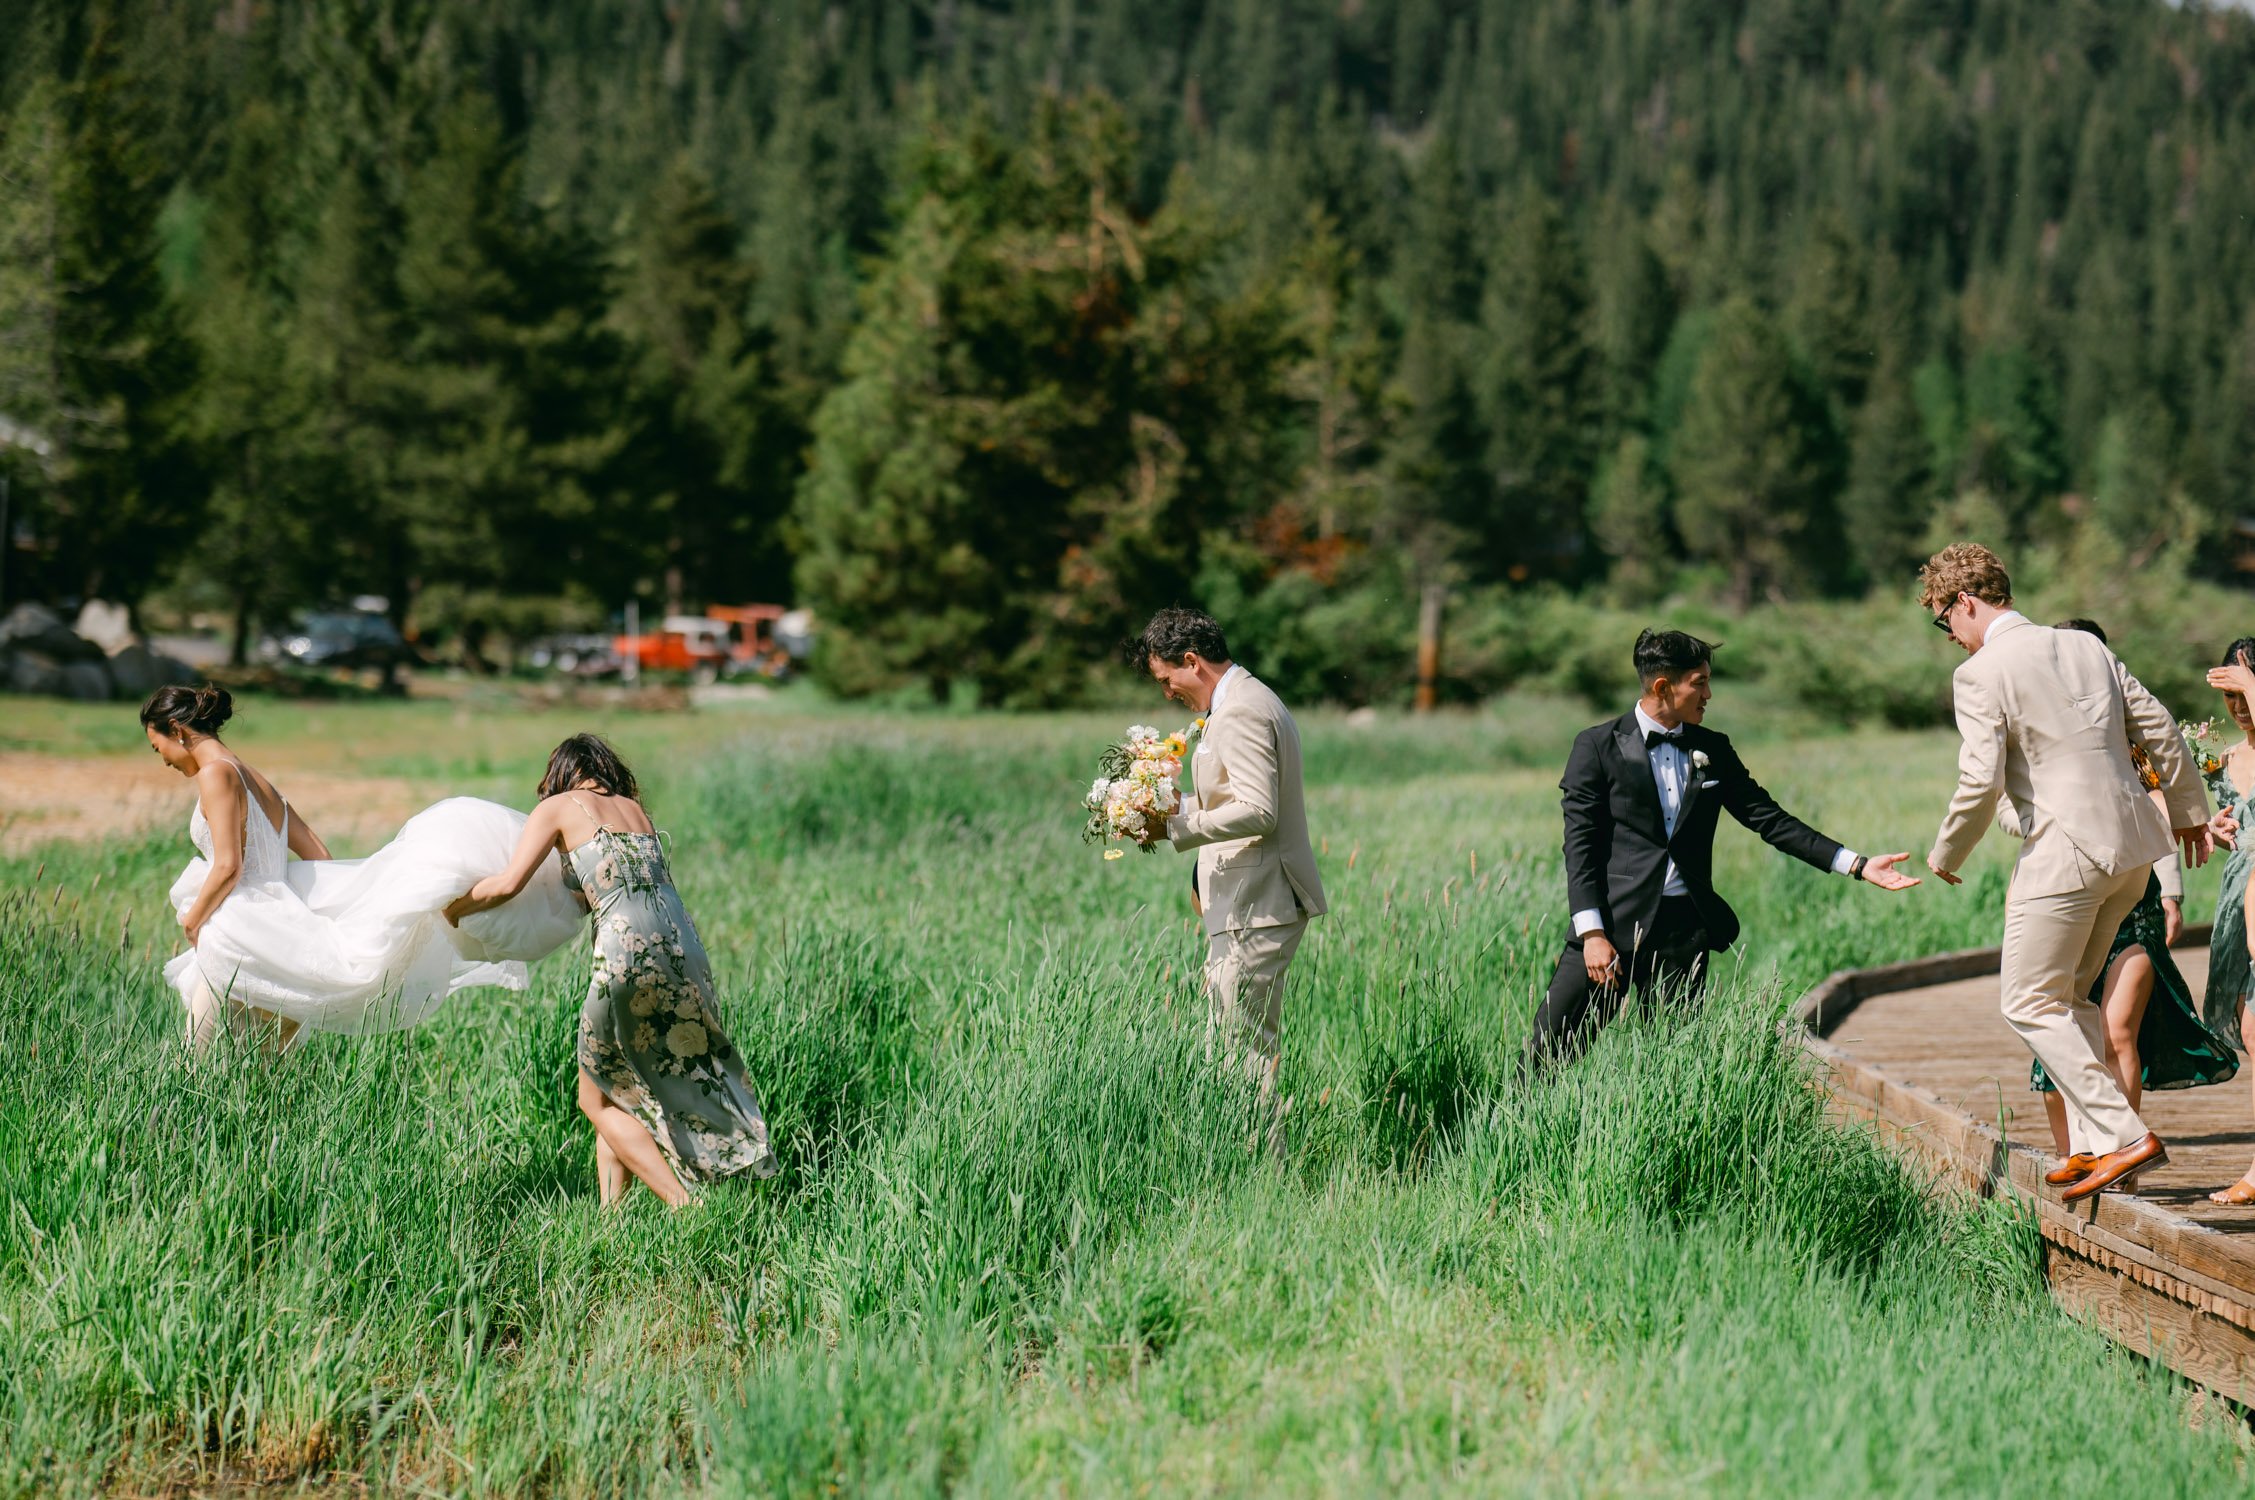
x: 280, y: 946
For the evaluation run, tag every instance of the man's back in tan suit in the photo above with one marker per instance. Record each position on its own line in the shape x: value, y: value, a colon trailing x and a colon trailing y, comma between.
x: 2047, y: 719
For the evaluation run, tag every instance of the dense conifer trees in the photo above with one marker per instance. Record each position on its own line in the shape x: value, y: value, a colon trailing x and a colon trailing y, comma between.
x: 985, y: 327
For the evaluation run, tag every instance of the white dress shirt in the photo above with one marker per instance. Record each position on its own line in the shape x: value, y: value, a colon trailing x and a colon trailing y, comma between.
x: 1221, y: 688
x: 1671, y: 771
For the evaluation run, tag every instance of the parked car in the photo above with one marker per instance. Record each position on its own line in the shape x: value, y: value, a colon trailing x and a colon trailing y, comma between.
x: 579, y: 654
x: 350, y: 639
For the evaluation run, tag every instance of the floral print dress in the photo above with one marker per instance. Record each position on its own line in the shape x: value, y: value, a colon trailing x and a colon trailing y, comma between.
x: 2231, y: 978
x: 648, y: 1034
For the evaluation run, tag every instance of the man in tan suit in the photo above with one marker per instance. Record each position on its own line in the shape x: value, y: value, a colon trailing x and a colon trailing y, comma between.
x: 2048, y: 718
x: 1255, y: 879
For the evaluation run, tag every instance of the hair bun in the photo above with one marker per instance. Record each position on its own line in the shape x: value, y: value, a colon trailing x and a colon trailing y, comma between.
x: 214, y: 707
x: 175, y: 707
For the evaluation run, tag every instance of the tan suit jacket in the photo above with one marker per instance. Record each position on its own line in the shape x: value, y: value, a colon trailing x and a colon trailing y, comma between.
x: 1248, y: 816
x: 2048, y: 718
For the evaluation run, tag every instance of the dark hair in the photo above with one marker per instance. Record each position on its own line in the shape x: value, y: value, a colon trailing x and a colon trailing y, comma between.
x: 1668, y: 653
x: 588, y: 757
x: 1174, y: 634
x: 2087, y: 627
x: 200, y: 710
x: 2239, y: 653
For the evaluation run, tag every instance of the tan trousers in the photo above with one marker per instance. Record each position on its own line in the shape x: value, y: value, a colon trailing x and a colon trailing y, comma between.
x: 1245, y: 973
x: 2054, y: 948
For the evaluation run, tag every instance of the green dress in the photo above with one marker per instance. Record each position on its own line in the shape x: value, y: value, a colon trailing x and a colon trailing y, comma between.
x: 2231, y: 978
x: 648, y: 1034
x: 2176, y: 1050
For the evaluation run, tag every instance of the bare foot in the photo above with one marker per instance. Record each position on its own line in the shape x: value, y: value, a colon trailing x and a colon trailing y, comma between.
x: 2238, y: 1195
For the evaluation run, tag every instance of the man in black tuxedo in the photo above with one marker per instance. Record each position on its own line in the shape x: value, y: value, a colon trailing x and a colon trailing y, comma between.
x: 1643, y: 796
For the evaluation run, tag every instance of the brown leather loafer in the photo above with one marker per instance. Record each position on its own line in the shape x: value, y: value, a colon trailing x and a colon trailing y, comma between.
x: 2074, y: 1169
x: 2116, y: 1165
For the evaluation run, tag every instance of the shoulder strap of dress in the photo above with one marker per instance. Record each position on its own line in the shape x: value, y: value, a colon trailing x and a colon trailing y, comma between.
x: 600, y: 825
x: 250, y: 795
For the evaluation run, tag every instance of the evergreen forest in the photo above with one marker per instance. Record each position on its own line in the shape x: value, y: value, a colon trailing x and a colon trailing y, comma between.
x: 986, y: 326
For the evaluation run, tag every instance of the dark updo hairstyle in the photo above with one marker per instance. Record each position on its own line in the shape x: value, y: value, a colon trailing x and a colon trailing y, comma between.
x: 2240, y: 653
x: 587, y: 757
x: 2087, y: 627
x: 199, y: 710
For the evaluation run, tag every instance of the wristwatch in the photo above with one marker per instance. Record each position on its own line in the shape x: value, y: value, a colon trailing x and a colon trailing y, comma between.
x: 1856, y: 870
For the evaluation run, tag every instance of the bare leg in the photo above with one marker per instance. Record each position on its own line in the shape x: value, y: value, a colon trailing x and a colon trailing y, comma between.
x: 2242, y: 1191
x: 282, y: 1033
x: 2129, y: 989
x: 206, y: 1019
x: 610, y: 1172
x: 632, y: 1144
x: 210, y: 1014
x: 2055, y: 1110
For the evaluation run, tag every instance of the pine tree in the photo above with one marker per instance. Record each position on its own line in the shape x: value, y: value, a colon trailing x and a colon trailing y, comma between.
x: 1543, y: 396
x: 1830, y: 318
x: 1890, y: 492
x: 711, y: 448
x: 264, y: 548
x: 891, y: 539
x: 128, y: 490
x: 1629, y: 517
x: 1752, y: 486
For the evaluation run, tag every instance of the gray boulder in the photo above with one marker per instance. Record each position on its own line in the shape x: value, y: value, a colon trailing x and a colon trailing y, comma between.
x: 140, y: 670
x: 107, y: 625
x: 30, y: 672
x: 35, y: 627
x: 86, y: 681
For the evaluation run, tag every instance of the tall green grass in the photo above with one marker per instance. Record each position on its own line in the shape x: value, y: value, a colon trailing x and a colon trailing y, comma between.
x: 1025, y: 1237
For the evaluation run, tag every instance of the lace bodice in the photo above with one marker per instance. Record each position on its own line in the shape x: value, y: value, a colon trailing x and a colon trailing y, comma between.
x: 266, y: 849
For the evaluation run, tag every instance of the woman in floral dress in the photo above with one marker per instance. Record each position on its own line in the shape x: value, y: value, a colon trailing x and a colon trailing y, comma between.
x: 658, y: 1080
x: 2230, y: 773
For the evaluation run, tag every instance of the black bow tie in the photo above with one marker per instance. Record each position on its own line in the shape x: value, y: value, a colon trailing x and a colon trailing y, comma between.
x: 1655, y: 738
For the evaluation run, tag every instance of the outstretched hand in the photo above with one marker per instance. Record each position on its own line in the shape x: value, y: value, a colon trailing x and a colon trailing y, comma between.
x: 1881, y: 870
x: 1943, y: 875
x: 2197, y: 843
x: 2223, y: 830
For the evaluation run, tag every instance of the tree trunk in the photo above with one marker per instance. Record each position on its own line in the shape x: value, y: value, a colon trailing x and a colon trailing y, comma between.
x: 239, y: 649
x: 1429, y: 607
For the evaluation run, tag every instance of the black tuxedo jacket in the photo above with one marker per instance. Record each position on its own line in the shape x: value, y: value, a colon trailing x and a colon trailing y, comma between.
x: 1617, y: 845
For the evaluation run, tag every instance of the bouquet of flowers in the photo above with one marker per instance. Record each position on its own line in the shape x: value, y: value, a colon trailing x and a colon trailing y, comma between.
x: 1135, y: 792
x: 2204, y: 743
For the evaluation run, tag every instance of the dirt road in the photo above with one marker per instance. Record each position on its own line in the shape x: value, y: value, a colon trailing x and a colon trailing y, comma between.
x: 45, y: 798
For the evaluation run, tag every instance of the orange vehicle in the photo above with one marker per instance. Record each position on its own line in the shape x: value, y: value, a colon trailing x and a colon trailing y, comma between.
x: 726, y: 641
x: 752, y: 646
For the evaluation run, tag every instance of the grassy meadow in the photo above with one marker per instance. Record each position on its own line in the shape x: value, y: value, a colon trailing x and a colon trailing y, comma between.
x: 1020, y: 1242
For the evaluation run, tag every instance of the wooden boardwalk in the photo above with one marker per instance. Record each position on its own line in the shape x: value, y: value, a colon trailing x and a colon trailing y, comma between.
x: 1920, y: 1050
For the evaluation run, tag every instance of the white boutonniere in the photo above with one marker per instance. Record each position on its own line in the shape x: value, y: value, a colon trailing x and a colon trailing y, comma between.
x: 1699, y: 760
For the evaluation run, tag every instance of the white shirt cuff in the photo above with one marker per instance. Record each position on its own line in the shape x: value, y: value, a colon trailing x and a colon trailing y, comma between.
x: 1844, y: 861
x: 1587, y: 922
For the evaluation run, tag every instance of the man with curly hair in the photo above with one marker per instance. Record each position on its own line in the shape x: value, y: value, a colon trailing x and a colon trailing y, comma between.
x: 2048, y: 718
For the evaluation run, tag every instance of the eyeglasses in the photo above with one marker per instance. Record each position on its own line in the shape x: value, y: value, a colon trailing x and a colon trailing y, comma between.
x: 1942, y: 621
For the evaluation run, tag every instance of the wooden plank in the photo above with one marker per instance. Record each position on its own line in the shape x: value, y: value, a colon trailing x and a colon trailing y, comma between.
x: 2194, y: 1343
x: 1974, y: 1153
x: 1938, y: 1077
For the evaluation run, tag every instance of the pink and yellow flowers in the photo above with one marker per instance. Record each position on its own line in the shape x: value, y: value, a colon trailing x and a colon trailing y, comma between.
x: 1135, y: 790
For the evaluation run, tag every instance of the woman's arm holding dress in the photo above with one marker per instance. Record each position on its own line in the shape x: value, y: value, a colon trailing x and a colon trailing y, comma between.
x: 220, y: 790
x: 304, y: 842
x: 533, y: 846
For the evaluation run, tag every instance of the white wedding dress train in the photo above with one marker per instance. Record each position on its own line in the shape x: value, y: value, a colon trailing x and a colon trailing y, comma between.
x: 361, y: 945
